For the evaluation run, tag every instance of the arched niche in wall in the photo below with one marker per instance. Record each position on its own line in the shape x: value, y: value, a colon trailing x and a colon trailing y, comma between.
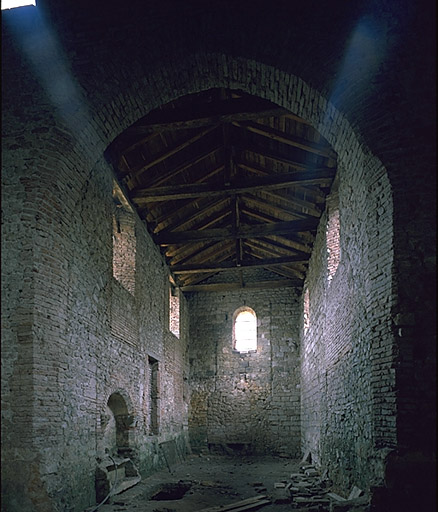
x: 117, y: 429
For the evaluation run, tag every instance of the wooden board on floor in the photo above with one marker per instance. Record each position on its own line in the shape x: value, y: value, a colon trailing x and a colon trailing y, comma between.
x: 240, y: 506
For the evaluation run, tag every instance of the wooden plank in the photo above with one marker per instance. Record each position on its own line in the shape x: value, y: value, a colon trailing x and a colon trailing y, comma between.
x: 292, y: 202
x: 167, y: 153
x: 191, y: 162
x: 234, y: 505
x: 258, y: 150
x: 275, y: 181
x: 174, y: 215
x: 253, y: 231
x: 240, y: 506
x: 272, y: 209
x: 314, y: 194
x: 201, y: 254
x: 284, y: 138
x: 257, y: 285
x: 207, y: 215
x: 206, y: 114
x: 267, y: 263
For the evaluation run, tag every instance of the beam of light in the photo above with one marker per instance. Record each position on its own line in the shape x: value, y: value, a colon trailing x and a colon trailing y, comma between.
x: 365, y: 52
x: 11, y: 4
x: 50, y: 67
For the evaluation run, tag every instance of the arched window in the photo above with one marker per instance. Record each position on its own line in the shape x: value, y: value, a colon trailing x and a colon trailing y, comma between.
x: 245, y: 330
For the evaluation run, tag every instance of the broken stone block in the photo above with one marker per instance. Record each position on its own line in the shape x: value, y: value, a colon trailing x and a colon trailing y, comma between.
x: 355, y: 493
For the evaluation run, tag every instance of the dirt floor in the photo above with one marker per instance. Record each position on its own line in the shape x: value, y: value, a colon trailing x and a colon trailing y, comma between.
x: 210, y: 480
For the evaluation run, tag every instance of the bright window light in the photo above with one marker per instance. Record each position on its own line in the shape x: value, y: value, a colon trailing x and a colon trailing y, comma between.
x: 10, y: 4
x: 245, y: 331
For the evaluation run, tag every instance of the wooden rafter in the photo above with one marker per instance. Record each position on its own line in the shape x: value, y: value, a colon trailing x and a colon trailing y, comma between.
x: 290, y: 140
x: 188, y: 215
x: 231, y: 265
x: 278, y: 213
x: 187, y: 191
x: 279, y: 228
x: 276, y: 157
x: 314, y: 194
x: 166, y: 154
x: 257, y: 285
x: 226, y: 111
x: 228, y: 183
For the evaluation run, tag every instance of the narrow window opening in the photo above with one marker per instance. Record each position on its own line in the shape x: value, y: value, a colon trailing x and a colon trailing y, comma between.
x: 306, y: 310
x: 174, y: 311
x: 124, y: 241
x: 154, y: 392
x: 245, y: 330
x: 333, y: 236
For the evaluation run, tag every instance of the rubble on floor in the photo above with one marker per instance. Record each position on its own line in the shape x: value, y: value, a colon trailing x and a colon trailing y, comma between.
x: 308, y: 491
x: 115, y: 475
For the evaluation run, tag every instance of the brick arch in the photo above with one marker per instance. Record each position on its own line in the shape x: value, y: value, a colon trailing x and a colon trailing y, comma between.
x: 172, y: 78
x: 121, y: 407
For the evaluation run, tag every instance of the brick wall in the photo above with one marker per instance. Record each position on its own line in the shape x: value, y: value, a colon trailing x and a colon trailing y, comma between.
x: 245, y: 401
x: 380, y: 106
x: 89, y: 339
x: 347, y: 368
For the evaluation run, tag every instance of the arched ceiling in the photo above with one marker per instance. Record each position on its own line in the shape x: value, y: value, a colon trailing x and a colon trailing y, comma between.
x: 227, y: 182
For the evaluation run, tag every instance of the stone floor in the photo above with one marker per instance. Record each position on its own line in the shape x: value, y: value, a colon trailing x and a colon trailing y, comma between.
x: 215, y: 480
x: 207, y: 481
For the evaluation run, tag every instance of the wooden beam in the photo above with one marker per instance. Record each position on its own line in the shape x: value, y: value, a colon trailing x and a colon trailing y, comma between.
x: 257, y: 285
x: 316, y: 195
x: 253, y: 231
x: 167, y: 153
x: 199, y: 255
x: 291, y: 241
x: 191, y: 162
x: 258, y: 150
x: 292, y: 202
x: 274, y: 181
x: 207, y: 114
x: 166, y: 218
x: 288, y: 139
x: 192, y: 215
x: 231, y: 265
x: 278, y: 213
x: 239, y: 506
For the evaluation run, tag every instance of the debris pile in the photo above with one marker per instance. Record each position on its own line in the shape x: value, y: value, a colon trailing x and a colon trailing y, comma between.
x: 310, y: 492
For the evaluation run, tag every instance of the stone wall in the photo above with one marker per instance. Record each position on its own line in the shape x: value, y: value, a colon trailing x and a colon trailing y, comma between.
x: 347, y: 367
x: 69, y: 89
x: 86, y: 385
x: 249, y: 401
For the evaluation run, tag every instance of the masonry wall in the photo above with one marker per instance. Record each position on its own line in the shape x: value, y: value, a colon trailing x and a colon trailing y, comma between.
x: 347, y: 367
x: 245, y: 402
x: 69, y: 90
x: 89, y: 336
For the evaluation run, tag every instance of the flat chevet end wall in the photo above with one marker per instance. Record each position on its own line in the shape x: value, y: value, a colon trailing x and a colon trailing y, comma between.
x: 245, y: 402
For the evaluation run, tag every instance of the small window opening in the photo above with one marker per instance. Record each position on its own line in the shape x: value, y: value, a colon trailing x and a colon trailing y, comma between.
x: 333, y: 236
x: 306, y: 310
x: 174, y: 309
x: 124, y: 241
x: 245, y: 330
